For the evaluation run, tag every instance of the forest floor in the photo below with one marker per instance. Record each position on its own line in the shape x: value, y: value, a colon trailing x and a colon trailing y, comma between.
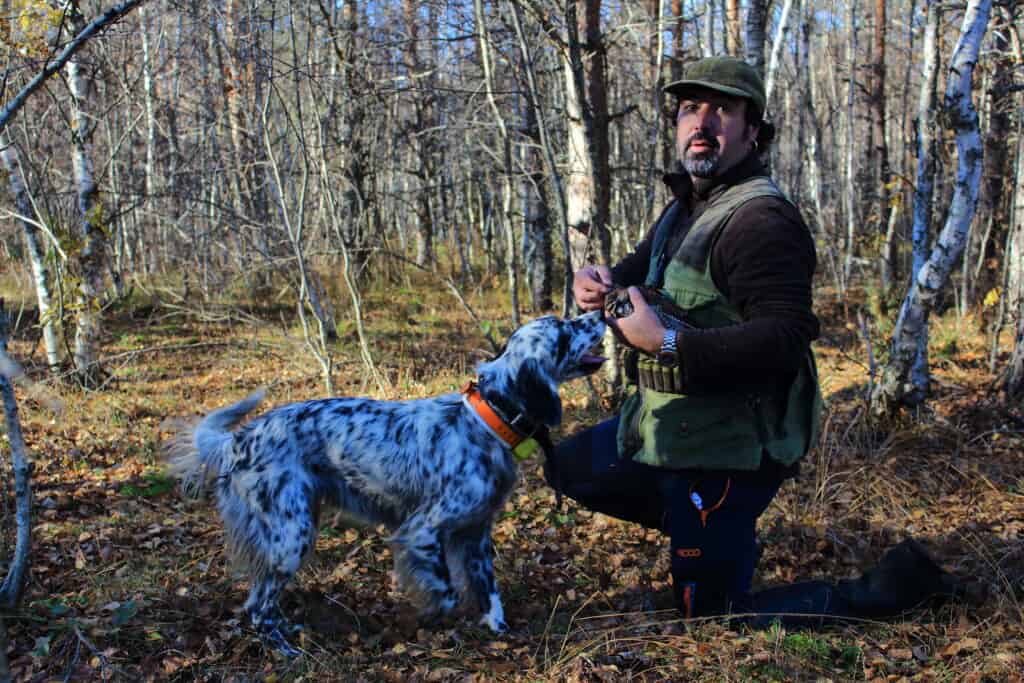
x: 129, y: 580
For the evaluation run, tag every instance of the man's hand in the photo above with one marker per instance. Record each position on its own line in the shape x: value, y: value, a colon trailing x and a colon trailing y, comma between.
x: 642, y: 329
x: 589, y: 285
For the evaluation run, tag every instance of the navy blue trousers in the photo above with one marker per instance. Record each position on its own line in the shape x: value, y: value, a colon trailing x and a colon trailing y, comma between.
x: 713, y: 538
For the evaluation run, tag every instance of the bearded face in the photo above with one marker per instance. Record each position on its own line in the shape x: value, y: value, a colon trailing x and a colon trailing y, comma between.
x: 712, y: 133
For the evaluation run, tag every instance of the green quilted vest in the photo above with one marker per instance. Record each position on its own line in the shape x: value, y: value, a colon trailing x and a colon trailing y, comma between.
x: 728, y: 428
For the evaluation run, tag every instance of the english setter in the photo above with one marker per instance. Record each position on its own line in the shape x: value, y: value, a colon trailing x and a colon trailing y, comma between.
x: 431, y: 470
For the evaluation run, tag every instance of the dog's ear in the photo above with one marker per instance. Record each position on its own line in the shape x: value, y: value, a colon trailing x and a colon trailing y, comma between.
x: 538, y: 394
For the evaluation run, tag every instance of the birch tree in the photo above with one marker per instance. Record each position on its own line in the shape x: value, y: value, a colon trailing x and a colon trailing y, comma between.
x: 89, y: 257
x: 779, y: 40
x: 880, y: 152
x: 34, y: 243
x: 586, y: 108
x: 757, y: 17
x: 960, y: 115
x: 849, y: 178
x: 925, y: 183
x: 733, y: 28
x: 1012, y: 377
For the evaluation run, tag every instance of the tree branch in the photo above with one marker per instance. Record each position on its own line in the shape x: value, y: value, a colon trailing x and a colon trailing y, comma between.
x: 95, y: 26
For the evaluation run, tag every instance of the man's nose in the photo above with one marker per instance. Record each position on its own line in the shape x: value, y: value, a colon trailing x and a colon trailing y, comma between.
x: 705, y: 118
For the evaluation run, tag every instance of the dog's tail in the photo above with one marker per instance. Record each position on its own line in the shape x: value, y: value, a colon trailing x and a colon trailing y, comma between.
x: 198, y: 454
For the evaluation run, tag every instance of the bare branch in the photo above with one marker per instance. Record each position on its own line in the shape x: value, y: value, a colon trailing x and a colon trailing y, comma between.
x: 94, y: 27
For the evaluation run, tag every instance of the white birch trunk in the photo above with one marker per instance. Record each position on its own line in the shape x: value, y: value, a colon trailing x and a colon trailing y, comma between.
x: 926, y: 163
x: 850, y: 193
x: 708, y: 45
x: 754, y: 27
x: 1014, y: 296
x: 148, y: 99
x: 580, y: 190
x: 36, y: 251
x: 959, y: 112
x: 777, y: 41
x: 656, y: 99
x: 90, y: 257
x: 1015, y: 276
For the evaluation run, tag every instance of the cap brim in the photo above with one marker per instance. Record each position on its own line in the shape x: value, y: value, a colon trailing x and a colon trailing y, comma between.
x: 678, y: 88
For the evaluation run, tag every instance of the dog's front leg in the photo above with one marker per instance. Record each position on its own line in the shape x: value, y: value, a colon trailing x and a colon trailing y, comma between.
x: 478, y: 556
x: 420, y: 559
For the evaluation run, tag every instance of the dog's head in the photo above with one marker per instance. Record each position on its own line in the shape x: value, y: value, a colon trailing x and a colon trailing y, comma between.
x: 538, y: 357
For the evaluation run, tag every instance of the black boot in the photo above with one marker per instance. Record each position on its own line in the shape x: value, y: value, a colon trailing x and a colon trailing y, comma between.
x: 904, y: 578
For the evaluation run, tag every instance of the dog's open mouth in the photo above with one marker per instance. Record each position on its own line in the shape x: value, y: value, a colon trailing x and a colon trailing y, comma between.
x: 589, y: 364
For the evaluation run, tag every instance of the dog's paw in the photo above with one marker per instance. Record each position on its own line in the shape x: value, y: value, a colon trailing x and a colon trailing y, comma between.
x: 276, y: 640
x: 496, y: 624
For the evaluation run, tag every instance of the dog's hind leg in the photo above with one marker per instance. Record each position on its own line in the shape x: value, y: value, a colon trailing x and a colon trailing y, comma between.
x: 476, y: 554
x: 265, y: 612
x: 420, y: 558
x: 286, y: 532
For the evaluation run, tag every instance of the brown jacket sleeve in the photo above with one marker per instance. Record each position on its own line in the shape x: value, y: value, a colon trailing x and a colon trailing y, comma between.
x: 763, y: 263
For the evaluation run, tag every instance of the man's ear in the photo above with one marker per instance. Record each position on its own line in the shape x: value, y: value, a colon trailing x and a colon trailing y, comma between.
x: 538, y: 394
x: 753, y: 130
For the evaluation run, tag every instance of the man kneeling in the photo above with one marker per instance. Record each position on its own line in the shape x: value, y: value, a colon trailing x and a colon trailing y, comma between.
x: 728, y: 399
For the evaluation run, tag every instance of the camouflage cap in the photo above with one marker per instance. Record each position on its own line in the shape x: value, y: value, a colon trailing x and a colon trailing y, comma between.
x: 729, y: 75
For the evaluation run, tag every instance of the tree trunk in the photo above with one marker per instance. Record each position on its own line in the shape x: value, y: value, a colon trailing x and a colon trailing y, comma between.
x: 997, y: 168
x: 655, y: 61
x: 423, y: 114
x: 597, y: 91
x: 14, y: 581
x: 1013, y: 382
x: 90, y: 257
x: 881, y: 150
x: 781, y: 31
x: 36, y: 252
x: 537, y: 256
x: 961, y: 116
x: 708, y: 44
x: 587, y: 122
x: 927, y: 159
x: 849, y: 177
x: 757, y: 16
x: 149, y: 97
x: 733, y: 28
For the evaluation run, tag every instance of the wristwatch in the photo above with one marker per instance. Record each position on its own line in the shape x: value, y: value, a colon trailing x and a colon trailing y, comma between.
x: 668, y: 355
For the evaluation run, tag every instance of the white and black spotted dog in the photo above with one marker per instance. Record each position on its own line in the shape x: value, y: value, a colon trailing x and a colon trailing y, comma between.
x: 429, y: 469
